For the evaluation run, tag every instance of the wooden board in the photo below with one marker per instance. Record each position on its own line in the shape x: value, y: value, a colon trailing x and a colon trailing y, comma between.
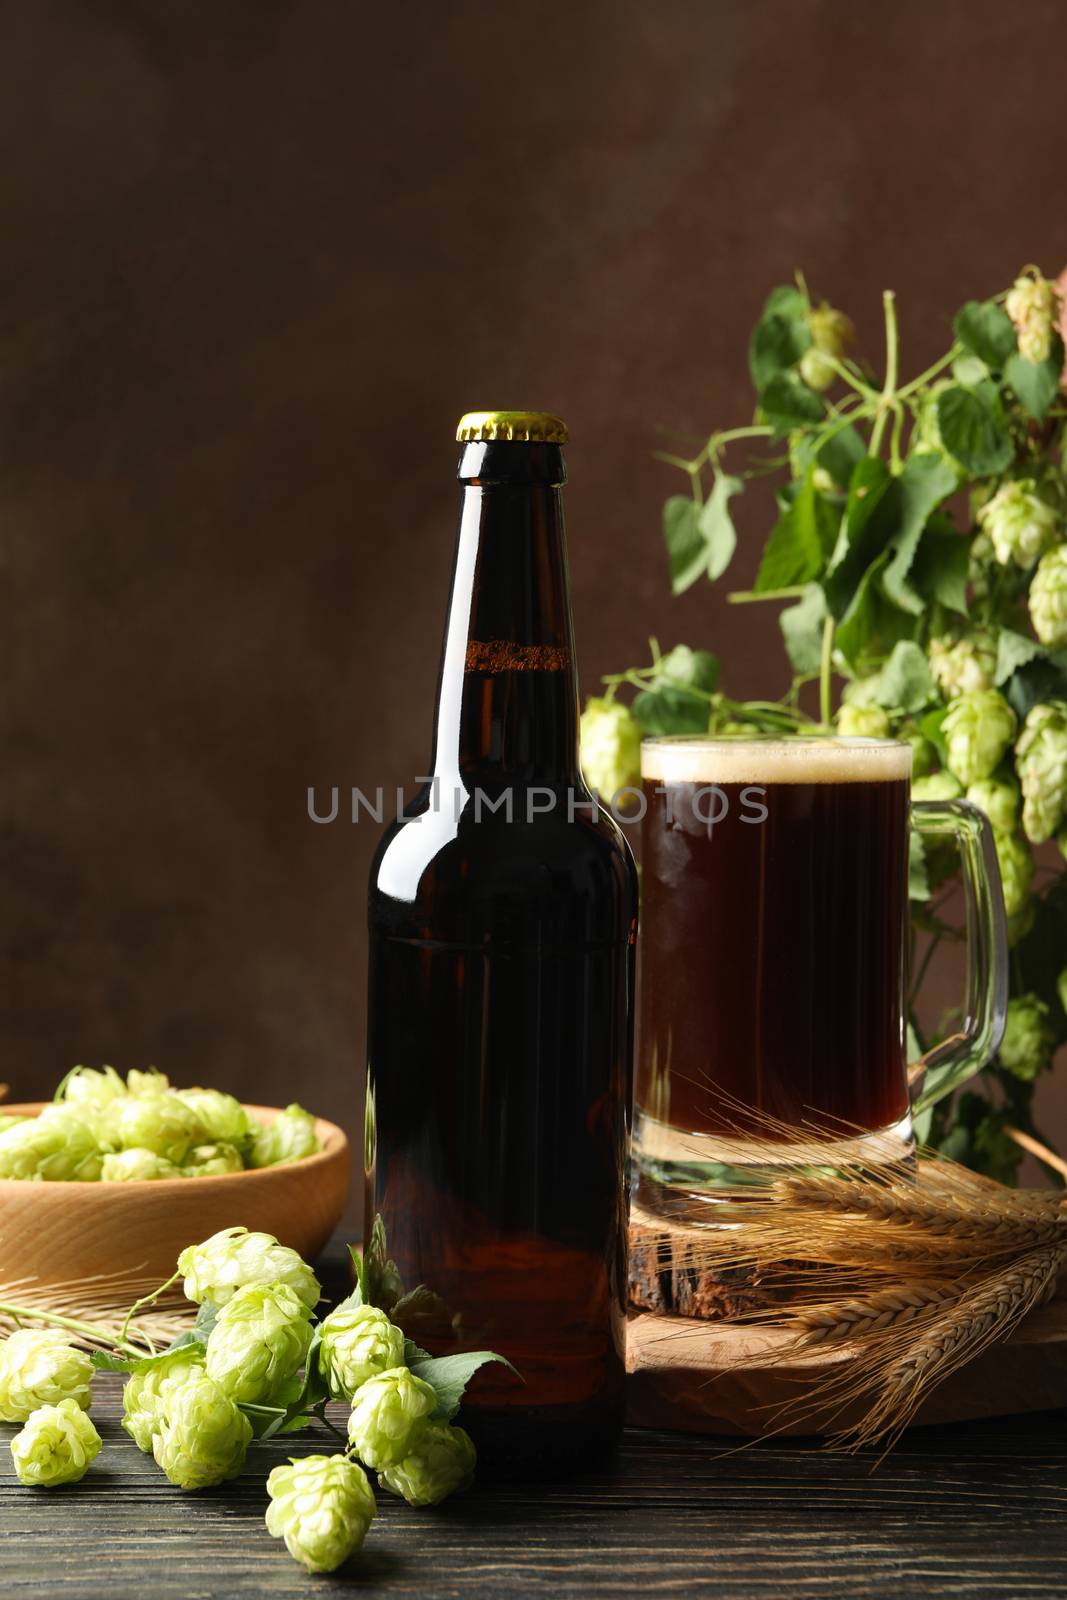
x: 704, y: 1374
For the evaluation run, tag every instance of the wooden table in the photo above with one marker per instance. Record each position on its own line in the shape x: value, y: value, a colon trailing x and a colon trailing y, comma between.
x: 977, y: 1510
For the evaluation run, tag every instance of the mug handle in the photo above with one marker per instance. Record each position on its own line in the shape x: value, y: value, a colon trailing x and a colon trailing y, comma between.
x: 948, y: 1064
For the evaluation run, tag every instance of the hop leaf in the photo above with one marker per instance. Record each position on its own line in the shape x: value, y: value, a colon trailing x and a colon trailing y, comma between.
x: 137, y: 1166
x: 57, y: 1445
x: 290, y: 1137
x: 357, y: 1343
x: 387, y: 1414
x: 442, y: 1461
x: 1048, y: 598
x: 610, y: 742
x: 260, y: 1337
x: 39, y: 1367
x: 229, y: 1260
x: 222, y: 1117
x: 1020, y: 524
x: 1029, y: 1037
x: 977, y: 730
x: 1041, y: 762
x: 322, y: 1507
x: 145, y: 1394
x: 204, y: 1437
x: 57, y: 1146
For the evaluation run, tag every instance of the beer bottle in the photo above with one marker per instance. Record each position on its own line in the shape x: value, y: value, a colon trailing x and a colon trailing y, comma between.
x: 502, y: 916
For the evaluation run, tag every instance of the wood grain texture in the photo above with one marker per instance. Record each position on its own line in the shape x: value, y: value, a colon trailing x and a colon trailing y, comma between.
x: 978, y: 1511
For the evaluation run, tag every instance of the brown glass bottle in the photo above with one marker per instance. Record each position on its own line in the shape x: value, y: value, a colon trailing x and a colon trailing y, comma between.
x: 502, y: 917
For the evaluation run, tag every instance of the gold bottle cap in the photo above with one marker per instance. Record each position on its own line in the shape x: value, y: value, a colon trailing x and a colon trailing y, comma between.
x: 541, y: 426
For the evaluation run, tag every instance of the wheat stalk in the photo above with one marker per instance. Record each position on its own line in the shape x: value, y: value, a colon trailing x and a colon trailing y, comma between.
x: 93, y: 1310
x: 841, y: 1321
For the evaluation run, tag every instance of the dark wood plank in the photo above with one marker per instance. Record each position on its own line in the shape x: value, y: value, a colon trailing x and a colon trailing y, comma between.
x: 973, y: 1511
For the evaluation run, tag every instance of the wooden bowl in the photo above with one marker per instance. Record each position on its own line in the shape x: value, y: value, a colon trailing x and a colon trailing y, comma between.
x: 61, y: 1232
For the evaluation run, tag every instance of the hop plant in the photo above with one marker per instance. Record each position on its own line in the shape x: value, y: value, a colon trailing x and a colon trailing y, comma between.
x: 1020, y: 524
x: 1041, y: 762
x: 999, y: 799
x: 57, y: 1445
x: 387, y: 1414
x: 977, y: 730
x: 212, y: 1160
x: 55, y: 1147
x: 290, y: 1137
x: 961, y: 666
x: 204, y: 1437
x: 260, y: 1337
x: 831, y: 335
x: 441, y: 1462
x: 1033, y: 306
x: 222, y: 1117
x: 145, y: 1394
x: 322, y: 1507
x: 937, y: 786
x: 1048, y: 598
x: 137, y: 1166
x: 1029, y: 1037
x: 863, y: 722
x: 1016, y: 871
x: 926, y: 439
x: 233, y: 1258
x: 156, y: 1121
x: 39, y: 1367
x: 610, y: 743
x: 357, y: 1344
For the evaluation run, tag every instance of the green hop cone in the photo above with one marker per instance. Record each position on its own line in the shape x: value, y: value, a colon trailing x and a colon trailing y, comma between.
x: 322, y: 1507
x: 1033, y: 305
x: 260, y: 1337
x: 57, y: 1445
x: 150, y: 1081
x: 1016, y: 870
x: 357, y: 1344
x: 387, y: 1414
x: 159, y: 1122
x: 217, y: 1268
x: 56, y: 1147
x: 831, y: 334
x: 1020, y: 524
x: 960, y: 666
x: 137, y: 1166
x: 1041, y: 762
x: 1000, y: 800
x: 222, y: 1117
x: 610, y: 744
x: 441, y: 1462
x: 211, y: 1161
x: 977, y: 730
x: 1048, y: 598
x: 937, y: 786
x: 40, y: 1367
x: 1029, y: 1037
x: 204, y: 1437
x: 862, y: 722
x: 90, y: 1087
x: 10, y: 1122
x: 144, y: 1397
x: 290, y: 1137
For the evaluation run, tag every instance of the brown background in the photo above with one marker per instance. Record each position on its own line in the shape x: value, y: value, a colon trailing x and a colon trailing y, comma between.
x: 257, y: 255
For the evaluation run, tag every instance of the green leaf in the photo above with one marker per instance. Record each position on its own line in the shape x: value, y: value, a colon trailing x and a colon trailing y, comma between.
x: 670, y: 708
x: 1014, y: 650
x: 840, y: 454
x: 987, y: 331
x: 925, y: 481
x: 802, y: 630
x: 1043, y: 678
x: 414, y: 1352
x: 448, y: 1376
x: 787, y: 403
x: 780, y: 337
x: 939, y: 571
x: 972, y: 428
x: 716, y: 525
x: 106, y: 1361
x: 800, y: 541
x: 930, y: 728
x: 873, y: 624
x: 918, y: 880
x: 686, y: 548
x: 1035, y: 382
x: 694, y: 669
x: 870, y: 519
x: 905, y: 683
x: 206, y: 1318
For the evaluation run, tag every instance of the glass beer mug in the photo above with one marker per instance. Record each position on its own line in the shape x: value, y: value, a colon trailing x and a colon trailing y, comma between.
x: 772, y: 961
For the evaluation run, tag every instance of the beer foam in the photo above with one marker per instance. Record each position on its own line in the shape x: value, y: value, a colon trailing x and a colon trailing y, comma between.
x: 757, y: 761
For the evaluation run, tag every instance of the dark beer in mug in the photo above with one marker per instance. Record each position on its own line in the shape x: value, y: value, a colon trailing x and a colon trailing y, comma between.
x: 773, y: 921
x: 502, y: 932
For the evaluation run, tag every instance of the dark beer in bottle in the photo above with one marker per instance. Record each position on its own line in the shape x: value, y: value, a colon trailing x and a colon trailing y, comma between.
x: 502, y: 926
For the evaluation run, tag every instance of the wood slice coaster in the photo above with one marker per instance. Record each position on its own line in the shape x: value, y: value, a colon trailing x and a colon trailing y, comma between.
x: 689, y: 1369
